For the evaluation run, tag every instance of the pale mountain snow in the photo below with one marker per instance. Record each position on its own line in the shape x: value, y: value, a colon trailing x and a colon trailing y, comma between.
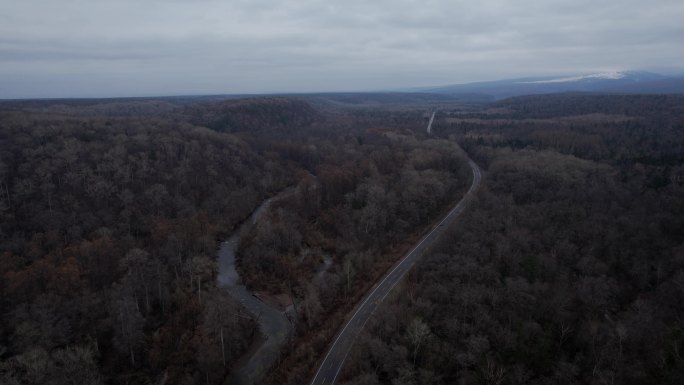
x: 615, y: 75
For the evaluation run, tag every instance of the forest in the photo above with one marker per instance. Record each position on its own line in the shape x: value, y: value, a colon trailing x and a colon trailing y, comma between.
x: 568, y: 268
x: 112, y: 211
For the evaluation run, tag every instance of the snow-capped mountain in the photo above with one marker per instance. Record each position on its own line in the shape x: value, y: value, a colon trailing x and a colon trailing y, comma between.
x: 602, y: 82
x: 600, y: 76
x: 623, y: 76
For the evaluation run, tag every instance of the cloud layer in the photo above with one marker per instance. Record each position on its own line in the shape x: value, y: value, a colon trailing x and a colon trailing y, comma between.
x: 74, y: 48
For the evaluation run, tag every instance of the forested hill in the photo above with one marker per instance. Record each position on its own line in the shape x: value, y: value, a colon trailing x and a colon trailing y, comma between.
x: 111, y: 210
x: 624, y: 129
x: 253, y: 114
x: 108, y: 235
x: 568, y: 269
x: 573, y: 104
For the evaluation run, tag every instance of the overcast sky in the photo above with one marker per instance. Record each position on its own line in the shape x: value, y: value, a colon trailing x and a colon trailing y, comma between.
x: 76, y: 48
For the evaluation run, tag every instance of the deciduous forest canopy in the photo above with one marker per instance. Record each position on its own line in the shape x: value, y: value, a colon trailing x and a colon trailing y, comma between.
x: 567, y: 268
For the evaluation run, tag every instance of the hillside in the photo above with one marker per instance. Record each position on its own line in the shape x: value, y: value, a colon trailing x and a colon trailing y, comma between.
x: 629, y: 82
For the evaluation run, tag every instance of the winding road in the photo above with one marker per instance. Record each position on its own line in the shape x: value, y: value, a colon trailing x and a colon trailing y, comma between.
x: 330, y: 367
x: 273, y: 323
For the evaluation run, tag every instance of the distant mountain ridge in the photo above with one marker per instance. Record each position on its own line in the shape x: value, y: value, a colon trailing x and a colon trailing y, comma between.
x: 630, y: 82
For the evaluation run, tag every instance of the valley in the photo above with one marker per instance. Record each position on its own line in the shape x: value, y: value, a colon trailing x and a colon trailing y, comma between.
x: 283, y: 239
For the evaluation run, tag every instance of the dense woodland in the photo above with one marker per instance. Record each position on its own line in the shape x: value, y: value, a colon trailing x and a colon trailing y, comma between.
x: 111, y: 213
x: 568, y: 268
x: 108, y: 246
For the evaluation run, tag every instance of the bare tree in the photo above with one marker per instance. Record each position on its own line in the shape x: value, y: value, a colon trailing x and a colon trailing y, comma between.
x: 417, y: 332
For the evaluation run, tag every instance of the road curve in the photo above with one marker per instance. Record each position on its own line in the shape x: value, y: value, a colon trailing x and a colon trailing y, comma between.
x: 273, y: 323
x: 331, y: 365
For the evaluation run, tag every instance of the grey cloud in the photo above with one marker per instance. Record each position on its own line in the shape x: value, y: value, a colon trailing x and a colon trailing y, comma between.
x: 103, y: 48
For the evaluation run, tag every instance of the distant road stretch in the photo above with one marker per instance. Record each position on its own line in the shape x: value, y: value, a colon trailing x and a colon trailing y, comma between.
x: 332, y: 363
x: 432, y: 119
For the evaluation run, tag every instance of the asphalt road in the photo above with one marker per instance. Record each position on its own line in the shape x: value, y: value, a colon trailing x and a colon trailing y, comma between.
x: 273, y: 323
x: 329, y: 369
x: 432, y: 119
